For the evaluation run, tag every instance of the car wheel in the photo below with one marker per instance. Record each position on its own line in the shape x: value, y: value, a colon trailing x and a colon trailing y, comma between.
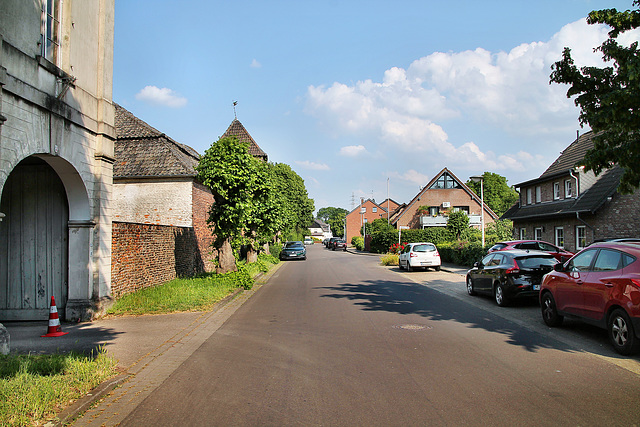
x: 400, y: 265
x: 621, y: 333
x: 344, y: 250
x: 499, y: 295
x: 549, y: 311
x: 470, y: 289
x: 409, y: 268
x: 437, y: 268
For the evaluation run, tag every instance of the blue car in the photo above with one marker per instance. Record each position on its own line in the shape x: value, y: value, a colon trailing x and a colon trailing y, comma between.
x: 293, y: 250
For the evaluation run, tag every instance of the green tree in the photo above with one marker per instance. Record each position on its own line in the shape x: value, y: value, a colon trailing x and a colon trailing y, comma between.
x: 376, y: 226
x: 457, y: 223
x: 335, y: 218
x: 295, y: 208
x: 244, y: 209
x: 497, y: 193
x: 608, y: 97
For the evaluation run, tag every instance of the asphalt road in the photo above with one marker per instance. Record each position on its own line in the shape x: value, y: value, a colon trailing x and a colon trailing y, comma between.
x: 340, y: 340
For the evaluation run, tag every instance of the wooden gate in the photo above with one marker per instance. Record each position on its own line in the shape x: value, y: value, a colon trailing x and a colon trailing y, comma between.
x: 33, y: 242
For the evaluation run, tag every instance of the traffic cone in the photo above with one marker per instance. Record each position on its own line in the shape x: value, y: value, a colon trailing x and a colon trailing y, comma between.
x: 55, y: 330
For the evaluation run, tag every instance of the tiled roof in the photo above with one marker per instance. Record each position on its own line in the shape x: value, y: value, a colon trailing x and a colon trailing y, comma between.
x: 238, y: 130
x: 143, y: 151
x: 571, y: 155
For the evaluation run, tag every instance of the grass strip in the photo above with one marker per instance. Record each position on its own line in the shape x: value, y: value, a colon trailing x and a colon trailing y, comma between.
x: 33, y: 388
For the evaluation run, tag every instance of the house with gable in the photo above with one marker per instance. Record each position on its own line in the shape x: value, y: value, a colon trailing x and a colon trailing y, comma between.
x: 320, y: 230
x: 367, y: 212
x: 239, y: 131
x: 443, y: 194
x: 56, y: 157
x: 571, y: 207
x: 159, y: 208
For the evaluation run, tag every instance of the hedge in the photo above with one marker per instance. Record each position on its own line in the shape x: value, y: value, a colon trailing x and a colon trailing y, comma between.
x: 461, y: 253
x: 382, y: 241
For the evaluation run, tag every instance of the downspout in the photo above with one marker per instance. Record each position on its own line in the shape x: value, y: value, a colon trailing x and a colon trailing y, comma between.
x: 577, y: 194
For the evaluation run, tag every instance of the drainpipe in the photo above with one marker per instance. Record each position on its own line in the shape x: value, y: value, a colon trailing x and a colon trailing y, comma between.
x: 577, y: 182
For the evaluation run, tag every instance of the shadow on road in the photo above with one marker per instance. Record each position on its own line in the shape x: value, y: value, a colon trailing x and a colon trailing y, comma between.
x: 408, y: 298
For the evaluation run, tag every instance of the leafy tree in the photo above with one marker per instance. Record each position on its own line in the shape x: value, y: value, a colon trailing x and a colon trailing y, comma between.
x: 457, y: 223
x: 608, y: 97
x: 294, y: 205
x: 335, y: 218
x: 376, y: 226
x: 497, y: 193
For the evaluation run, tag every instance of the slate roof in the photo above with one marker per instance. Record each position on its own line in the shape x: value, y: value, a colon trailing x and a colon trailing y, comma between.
x: 142, y: 151
x: 589, y: 201
x: 239, y: 131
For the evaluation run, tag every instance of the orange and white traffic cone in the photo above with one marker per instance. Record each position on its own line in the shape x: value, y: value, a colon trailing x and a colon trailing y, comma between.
x: 55, y: 330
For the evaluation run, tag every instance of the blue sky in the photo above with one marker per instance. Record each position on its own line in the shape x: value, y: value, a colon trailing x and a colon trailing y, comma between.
x: 351, y: 94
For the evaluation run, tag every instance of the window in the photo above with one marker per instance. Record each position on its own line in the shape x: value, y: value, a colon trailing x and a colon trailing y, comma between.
x: 529, y: 196
x: 464, y: 209
x: 363, y: 210
x: 374, y: 209
x: 556, y: 190
x: 560, y: 237
x: 538, y: 194
x: 582, y: 262
x: 537, y: 233
x: 607, y: 260
x: 445, y: 181
x: 523, y: 233
x: 581, y: 237
x: 568, y: 189
x: 434, y: 210
x: 50, y: 42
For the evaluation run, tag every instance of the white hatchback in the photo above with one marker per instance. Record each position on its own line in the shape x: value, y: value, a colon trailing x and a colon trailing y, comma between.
x: 419, y: 255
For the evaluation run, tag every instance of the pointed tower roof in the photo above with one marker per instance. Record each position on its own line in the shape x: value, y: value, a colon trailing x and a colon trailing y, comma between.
x: 238, y: 130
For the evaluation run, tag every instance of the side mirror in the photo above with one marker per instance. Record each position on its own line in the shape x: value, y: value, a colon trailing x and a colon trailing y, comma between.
x: 476, y: 264
x: 558, y: 267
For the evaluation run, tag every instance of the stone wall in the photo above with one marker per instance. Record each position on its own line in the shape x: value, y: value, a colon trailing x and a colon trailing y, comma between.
x: 145, y: 255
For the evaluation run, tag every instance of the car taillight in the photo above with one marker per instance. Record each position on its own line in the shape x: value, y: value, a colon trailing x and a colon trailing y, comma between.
x: 413, y: 255
x: 513, y: 270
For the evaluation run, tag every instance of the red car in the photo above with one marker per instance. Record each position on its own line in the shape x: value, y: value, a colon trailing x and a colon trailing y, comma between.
x: 537, y: 245
x: 600, y: 285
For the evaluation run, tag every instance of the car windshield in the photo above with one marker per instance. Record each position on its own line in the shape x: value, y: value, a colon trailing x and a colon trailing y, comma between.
x: 536, y: 262
x: 498, y: 246
x: 424, y: 248
x: 294, y: 245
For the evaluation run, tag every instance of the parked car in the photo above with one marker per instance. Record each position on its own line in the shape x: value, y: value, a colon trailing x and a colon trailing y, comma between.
x: 293, y: 250
x: 339, y: 244
x: 329, y: 244
x: 507, y: 275
x: 600, y: 285
x: 536, y: 245
x: 308, y: 241
x: 419, y: 255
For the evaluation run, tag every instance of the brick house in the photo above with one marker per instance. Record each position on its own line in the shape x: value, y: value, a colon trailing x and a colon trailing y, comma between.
x: 366, y: 212
x: 571, y: 207
x: 443, y: 194
x: 159, y: 209
x: 56, y: 157
x: 239, y: 131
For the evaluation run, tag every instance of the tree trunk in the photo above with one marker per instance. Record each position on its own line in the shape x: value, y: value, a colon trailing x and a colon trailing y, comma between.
x: 226, y: 260
x: 265, y: 248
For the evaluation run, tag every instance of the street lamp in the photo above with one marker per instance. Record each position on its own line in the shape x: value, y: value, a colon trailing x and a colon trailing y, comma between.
x: 480, y: 178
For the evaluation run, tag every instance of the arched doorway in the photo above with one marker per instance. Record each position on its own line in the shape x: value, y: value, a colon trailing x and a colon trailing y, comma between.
x: 33, y: 242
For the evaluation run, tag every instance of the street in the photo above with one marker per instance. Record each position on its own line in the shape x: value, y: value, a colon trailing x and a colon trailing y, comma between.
x: 340, y: 340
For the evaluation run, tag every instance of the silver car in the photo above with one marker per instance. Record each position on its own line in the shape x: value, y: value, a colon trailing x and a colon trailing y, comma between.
x: 419, y: 255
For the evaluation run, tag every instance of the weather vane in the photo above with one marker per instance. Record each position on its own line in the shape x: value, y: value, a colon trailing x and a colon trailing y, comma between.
x: 234, y: 109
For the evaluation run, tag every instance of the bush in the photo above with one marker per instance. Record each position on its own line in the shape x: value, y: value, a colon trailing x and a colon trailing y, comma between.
x: 275, y: 249
x: 358, y: 242
x: 461, y: 252
x: 434, y: 235
x: 389, y: 259
x: 383, y: 240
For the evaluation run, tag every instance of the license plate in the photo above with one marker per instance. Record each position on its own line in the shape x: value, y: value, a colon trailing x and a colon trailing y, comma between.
x: 536, y: 287
x: 426, y: 263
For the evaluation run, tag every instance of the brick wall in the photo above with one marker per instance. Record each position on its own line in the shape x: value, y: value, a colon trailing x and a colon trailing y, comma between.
x: 202, y: 201
x: 145, y: 255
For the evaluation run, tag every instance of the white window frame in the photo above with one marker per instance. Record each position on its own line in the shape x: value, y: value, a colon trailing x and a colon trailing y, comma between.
x: 523, y: 233
x: 559, y: 237
x: 568, y: 189
x: 538, y: 194
x: 537, y: 233
x: 529, y: 196
x: 374, y: 209
x: 51, y: 30
x: 581, y: 237
x: 556, y: 191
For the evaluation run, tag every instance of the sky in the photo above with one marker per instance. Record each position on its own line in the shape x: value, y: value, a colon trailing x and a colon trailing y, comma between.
x: 362, y: 98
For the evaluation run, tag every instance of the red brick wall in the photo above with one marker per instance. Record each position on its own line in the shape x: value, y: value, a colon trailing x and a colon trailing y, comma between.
x: 202, y: 201
x: 354, y: 219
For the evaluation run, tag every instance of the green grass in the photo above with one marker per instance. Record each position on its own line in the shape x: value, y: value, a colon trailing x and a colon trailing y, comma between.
x: 33, y: 388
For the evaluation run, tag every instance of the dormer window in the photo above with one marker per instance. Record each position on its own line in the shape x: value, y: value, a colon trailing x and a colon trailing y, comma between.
x: 568, y: 189
x: 529, y: 196
x: 556, y: 191
x: 538, y: 194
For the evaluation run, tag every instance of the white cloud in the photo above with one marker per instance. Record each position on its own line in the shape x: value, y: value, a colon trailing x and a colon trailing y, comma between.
x: 255, y: 64
x: 508, y: 91
x: 161, y: 96
x: 411, y: 176
x: 352, y: 150
x: 312, y: 165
